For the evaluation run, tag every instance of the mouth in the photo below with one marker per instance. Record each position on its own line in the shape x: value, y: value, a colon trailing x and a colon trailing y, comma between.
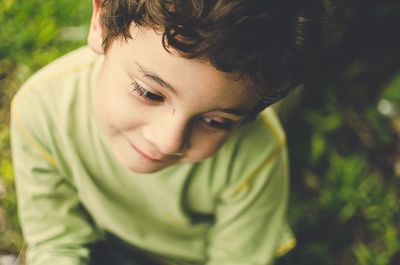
x: 152, y: 158
x: 148, y: 157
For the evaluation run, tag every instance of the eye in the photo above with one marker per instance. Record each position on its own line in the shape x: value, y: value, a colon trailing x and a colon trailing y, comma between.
x: 144, y: 93
x: 218, y: 125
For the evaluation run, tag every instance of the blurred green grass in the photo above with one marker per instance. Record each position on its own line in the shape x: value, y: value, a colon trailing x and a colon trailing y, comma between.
x: 343, y: 134
x: 32, y: 34
x: 345, y: 154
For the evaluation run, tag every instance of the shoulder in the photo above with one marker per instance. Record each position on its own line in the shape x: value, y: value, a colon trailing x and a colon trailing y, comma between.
x: 261, y: 135
x: 65, y: 65
x: 56, y: 73
x: 259, y: 138
x: 45, y: 100
x: 254, y: 147
x: 49, y: 87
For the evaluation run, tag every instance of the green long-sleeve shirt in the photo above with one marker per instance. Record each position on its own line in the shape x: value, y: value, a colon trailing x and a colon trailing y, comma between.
x: 227, y: 210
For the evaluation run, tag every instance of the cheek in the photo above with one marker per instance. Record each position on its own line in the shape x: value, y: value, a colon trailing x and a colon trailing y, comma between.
x: 116, y: 109
x: 204, y: 147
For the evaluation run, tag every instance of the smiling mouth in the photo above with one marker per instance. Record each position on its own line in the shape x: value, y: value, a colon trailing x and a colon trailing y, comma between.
x: 143, y: 154
x: 147, y: 157
x: 160, y: 159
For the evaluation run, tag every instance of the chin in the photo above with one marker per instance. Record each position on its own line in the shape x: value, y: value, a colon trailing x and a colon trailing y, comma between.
x: 144, y: 168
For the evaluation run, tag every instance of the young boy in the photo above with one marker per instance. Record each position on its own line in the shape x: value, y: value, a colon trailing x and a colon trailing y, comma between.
x: 147, y: 147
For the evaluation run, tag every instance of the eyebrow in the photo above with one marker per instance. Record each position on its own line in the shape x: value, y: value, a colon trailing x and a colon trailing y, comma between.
x: 149, y: 74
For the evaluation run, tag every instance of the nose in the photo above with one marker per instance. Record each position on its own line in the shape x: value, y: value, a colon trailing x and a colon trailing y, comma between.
x: 169, y: 135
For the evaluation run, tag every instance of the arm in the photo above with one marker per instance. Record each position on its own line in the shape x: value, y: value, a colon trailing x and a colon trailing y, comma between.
x: 54, y: 224
x: 250, y: 223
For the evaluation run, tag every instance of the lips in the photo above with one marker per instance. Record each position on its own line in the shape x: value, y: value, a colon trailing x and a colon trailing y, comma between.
x: 144, y: 154
x: 148, y: 157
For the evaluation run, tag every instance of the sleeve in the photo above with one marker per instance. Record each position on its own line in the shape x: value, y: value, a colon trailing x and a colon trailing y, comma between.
x: 54, y: 224
x: 251, y: 226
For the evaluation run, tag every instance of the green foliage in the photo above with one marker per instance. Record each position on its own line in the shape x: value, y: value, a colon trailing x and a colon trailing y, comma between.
x: 345, y: 158
x: 392, y: 92
x: 32, y: 34
x: 345, y: 201
x: 343, y: 136
x: 32, y: 30
x: 10, y: 238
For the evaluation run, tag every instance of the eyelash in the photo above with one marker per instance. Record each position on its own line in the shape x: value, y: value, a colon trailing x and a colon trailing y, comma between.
x: 152, y: 97
x: 144, y: 93
x: 216, y: 125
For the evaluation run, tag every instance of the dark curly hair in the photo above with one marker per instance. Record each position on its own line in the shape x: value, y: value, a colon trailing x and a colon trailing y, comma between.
x: 266, y: 43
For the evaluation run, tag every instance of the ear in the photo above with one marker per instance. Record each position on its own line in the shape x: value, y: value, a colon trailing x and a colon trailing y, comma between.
x: 96, y: 34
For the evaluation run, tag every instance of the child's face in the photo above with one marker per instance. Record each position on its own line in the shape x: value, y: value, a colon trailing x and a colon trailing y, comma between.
x: 159, y: 109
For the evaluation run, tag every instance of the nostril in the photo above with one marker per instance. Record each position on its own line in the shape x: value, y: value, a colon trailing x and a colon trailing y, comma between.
x: 168, y: 134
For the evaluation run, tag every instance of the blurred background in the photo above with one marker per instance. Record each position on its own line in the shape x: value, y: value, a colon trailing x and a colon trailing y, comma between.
x: 343, y: 129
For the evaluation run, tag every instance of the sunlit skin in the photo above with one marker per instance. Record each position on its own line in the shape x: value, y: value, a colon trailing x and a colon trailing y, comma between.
x: 159, y: 109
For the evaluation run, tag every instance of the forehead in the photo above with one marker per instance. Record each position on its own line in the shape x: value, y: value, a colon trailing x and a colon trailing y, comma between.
x: 202, y: 79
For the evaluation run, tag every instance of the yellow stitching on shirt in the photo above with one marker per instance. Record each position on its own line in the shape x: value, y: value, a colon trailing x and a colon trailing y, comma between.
x: 46, y: 155
x: 286, y: 247
x: 280, y: 139
x: 28, y: 136
x: 246, y: 182
x: 53, y: 76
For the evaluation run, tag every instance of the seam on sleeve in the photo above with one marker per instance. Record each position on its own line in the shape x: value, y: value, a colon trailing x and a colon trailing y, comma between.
x: 28, y: 136
x: 286, y: 247
x: 279, y: 137
x: 280, y: 140
x: 25, y: 132
x: 55, y: 75
x: 246, y: 182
